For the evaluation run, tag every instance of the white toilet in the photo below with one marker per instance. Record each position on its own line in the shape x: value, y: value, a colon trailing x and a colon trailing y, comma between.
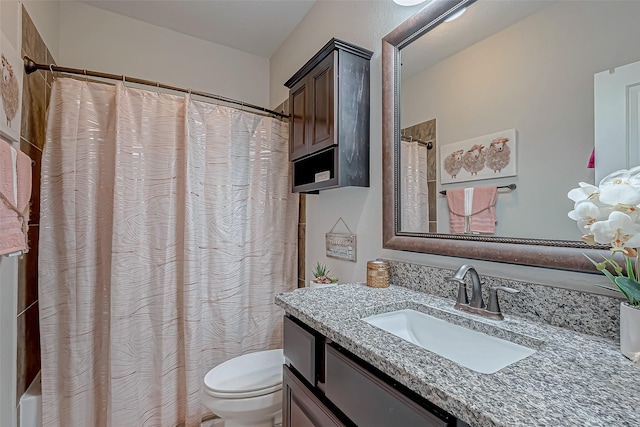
x: 246, y: 390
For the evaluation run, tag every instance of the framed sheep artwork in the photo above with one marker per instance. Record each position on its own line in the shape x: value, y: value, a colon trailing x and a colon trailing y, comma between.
x: 482, y: 157
x: 10, y: 90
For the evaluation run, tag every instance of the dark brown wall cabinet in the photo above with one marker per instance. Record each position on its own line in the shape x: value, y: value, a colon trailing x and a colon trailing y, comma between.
x: 324, y: 385
x: 329, y: 119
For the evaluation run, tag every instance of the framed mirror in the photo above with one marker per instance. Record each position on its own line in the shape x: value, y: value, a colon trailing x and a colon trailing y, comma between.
x: 526, y: 68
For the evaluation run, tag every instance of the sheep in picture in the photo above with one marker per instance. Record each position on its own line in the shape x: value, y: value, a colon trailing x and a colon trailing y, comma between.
x: 10, y: 91
x: 453, y: 163
x: 498, y: 155
x: 473, y: 159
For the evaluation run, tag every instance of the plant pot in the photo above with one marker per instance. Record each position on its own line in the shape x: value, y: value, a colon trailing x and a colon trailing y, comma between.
x: 629, y: 330
x: 314, y: 285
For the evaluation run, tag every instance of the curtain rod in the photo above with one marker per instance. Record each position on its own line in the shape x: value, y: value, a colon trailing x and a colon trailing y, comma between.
x: 30, y: 66
x: 409, y: 138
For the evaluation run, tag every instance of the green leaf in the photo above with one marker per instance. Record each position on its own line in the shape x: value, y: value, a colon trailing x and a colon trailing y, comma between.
x: 630, y: 288
x: 320, y: 270
x: 607, y: 287
x: 630, y: 274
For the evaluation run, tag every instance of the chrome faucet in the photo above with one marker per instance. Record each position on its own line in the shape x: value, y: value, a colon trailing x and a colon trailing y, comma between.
x: 477, y: 305
x: 476, y: 292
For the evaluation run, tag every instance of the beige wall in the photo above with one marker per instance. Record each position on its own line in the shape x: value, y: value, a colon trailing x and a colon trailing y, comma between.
x: 95, y: 39
x: 364, y: 23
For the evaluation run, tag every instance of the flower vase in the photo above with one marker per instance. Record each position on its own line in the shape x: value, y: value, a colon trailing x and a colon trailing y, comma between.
x: 629, y: 330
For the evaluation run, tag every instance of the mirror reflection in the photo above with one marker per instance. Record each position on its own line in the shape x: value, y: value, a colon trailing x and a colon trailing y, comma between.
x: 515, y: 78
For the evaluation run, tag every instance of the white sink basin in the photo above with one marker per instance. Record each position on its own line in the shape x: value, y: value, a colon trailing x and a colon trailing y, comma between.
x: 472, y: 349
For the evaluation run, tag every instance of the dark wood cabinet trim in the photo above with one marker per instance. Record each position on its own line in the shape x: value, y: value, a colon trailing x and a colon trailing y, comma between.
x: 332, y: 45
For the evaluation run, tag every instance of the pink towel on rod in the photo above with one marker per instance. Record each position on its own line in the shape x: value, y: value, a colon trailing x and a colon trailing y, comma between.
x: 15, y: 194
x: 483, y: 218
x: 472, y: 210
x: 455, y: 199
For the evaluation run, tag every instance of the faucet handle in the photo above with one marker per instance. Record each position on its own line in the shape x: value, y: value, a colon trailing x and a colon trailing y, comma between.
x: 494, y: 306
x: 462, y: 293
x: 462, y: 290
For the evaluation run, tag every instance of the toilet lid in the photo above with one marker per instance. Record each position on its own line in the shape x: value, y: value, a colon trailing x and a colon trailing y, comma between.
x: 249, y: 375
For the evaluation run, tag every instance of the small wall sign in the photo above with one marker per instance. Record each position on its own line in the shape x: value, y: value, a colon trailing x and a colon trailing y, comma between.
x: 341, y: 245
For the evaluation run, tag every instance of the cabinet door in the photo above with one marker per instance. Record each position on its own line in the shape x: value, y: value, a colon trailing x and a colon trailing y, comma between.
x: 299, y: 121
x: 301, y: 408
x: 322, y: 84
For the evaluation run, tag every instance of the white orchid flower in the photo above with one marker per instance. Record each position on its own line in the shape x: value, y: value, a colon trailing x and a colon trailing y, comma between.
x: 623, y: 176
x: 620, y: 194
x: 621, y: 188
x: 584, y: 192
x: 619, y: 230
x: 586, y: 212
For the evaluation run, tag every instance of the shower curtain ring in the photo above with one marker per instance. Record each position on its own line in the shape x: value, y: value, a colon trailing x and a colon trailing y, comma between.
x: 86, y: 79
x: 51, y: 69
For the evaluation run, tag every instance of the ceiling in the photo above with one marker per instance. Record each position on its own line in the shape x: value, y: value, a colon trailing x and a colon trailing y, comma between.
x: 255, y: 26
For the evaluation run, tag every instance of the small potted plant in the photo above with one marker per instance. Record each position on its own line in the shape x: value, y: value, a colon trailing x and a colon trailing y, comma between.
x: 321, y: 276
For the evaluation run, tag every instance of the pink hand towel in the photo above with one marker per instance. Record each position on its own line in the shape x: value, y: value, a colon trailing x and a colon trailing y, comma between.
x: 472, y: 210
x: 455, y: 199
x: 15, y: 193
x: 483, y: 217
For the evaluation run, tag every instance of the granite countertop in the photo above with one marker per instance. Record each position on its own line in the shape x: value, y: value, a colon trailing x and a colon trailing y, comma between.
x: 572, y: 379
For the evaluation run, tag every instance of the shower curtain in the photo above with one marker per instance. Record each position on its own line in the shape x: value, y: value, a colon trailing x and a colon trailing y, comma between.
x: 414, y: 191
x: 167, y: 227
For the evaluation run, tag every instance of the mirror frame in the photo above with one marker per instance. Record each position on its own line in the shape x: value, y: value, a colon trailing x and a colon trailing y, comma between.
x: 559, y: 254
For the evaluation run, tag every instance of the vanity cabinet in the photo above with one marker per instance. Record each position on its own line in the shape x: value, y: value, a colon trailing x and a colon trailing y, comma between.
x: 329, y: 119
x: 345, y: 390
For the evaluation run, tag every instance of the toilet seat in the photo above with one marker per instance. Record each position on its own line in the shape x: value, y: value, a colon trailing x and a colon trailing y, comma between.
x: 249, y: 375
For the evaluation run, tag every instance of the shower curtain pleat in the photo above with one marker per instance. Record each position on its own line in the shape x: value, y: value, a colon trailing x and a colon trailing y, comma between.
x: 167, y: 227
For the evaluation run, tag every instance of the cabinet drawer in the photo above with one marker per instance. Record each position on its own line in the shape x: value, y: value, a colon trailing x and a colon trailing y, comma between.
x: 301, y: 408
x: 301, y: 349
x: 367, y: 400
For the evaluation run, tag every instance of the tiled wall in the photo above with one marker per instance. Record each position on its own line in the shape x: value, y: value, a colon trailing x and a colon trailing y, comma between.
x: 302, y: 221
x: 35, y: 98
